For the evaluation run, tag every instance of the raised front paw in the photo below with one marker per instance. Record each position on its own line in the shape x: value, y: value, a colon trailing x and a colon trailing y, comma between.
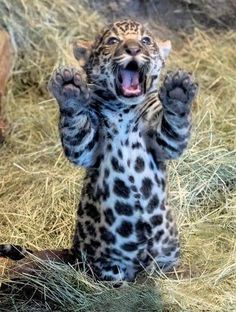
x: 178, y: 91
x: 68, y: 87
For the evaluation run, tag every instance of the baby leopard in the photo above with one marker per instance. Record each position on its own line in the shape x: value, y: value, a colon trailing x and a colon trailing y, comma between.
x: 116, y: 123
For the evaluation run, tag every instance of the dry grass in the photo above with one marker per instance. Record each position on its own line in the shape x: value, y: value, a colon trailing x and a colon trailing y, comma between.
x: 39, y: 189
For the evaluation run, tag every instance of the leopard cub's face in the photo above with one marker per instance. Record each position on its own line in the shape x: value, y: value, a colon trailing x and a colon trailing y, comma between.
x: 126, y: 60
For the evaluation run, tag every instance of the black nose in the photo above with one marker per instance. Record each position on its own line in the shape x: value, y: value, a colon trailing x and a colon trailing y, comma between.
x: 132, y: 48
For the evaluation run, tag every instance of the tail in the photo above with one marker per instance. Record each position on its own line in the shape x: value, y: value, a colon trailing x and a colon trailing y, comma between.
x: 28, y: 264
x: 14, y: 252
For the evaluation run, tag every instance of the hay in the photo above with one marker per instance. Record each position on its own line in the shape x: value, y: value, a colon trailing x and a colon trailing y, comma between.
x: 39, y: 189
x: 71, y: 290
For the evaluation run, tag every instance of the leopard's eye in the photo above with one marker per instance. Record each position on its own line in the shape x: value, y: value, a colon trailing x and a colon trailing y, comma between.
x: 112, y: 40
x: 146, y: 40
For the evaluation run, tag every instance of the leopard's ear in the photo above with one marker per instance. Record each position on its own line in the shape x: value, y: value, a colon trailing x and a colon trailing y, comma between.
x: 165, y: 48
x: 82, y: 51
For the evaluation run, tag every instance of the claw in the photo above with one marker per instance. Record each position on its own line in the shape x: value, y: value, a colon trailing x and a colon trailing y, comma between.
x: 168, y: 82
x: 186, y: 82
x: 193, y: 90
x: 67, y: 75
x: 176, y: 78
x: 59, y: 78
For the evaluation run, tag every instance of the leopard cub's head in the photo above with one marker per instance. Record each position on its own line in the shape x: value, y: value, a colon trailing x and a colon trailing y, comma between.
x: 125, y: 60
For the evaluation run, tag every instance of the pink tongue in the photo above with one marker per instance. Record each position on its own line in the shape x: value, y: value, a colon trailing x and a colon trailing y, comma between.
x: 130, y: 82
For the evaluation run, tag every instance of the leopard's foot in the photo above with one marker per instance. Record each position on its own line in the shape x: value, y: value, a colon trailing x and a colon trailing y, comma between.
x: 69, y: 87
x: 178, y: 91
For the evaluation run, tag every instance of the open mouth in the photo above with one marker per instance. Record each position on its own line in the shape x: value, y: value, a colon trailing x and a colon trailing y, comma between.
x: 130, y: 80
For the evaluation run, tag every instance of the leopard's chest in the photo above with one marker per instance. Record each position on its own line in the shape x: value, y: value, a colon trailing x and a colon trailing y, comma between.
x: 134, y: 177
x: 130, y: 173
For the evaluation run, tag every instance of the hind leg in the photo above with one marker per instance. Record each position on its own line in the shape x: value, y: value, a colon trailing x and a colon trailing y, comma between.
x: 168, y: 256
x: 165, y: 251
x: 107, y: 271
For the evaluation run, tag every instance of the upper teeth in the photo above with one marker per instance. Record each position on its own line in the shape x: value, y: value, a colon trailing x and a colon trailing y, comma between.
x: 148, y: 82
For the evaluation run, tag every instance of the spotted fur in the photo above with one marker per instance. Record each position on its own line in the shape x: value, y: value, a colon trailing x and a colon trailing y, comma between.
x: 124, y: 224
